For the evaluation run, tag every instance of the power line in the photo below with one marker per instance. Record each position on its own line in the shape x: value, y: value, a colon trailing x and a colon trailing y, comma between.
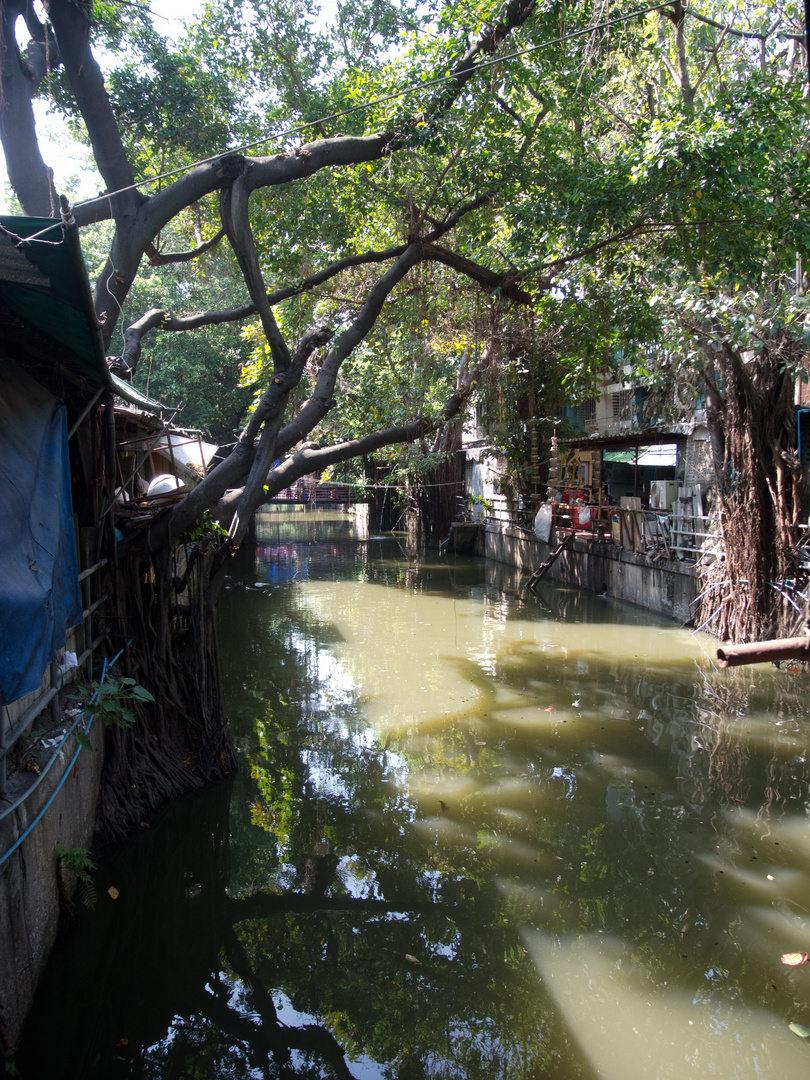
x: 404, y: 92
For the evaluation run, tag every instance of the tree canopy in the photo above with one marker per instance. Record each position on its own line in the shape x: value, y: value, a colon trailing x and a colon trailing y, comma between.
x: 392, y: 197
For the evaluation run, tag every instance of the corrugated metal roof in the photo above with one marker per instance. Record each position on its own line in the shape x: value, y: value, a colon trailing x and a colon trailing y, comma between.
x: 129, y: 393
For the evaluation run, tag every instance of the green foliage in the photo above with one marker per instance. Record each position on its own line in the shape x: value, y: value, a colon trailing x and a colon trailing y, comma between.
x: 627, y: 172
x: 78, y: 861
x: 110, y: 700
x: 746, y: 319
x: 170, y: 106
x: 202, y: 371
x: 476, y: 502
x: 205, y: 528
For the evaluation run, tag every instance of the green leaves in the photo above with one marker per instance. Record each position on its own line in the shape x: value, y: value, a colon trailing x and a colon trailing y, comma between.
x: 78, y: 861
x: 172, y: 105
x: 109, y: 700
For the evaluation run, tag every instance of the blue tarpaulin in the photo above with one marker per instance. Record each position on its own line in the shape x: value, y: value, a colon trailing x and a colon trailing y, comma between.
x: 39, y: 585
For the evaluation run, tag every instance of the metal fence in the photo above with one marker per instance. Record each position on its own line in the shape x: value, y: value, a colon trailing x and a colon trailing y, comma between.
x: 685, y: 537
x: 14, y: 727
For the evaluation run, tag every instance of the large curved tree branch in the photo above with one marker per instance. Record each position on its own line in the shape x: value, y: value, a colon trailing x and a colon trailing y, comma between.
x: 162, y: 320
x: 312, y: 458
x: 264, y: 439
x: 234, y: 206
x: 321, y: 400
x: 139, y: 219
x: 489, y: 280
x: 72, y: 30
x: 157, y: 318
x: 267, y: 415
x: 253, y: 494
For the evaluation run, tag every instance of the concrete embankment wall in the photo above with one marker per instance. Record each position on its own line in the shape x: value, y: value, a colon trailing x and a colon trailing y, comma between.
x: 667, y: 588
x: 29, y: 893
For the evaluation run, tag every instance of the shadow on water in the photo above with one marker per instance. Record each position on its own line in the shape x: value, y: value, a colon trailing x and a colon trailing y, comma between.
x: 475, y: 835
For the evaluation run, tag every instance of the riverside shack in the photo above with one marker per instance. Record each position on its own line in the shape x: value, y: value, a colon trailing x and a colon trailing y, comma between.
x: 79, y: 448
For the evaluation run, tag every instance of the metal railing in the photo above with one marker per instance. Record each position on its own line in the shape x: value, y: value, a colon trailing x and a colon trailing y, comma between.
x: 685, y: 537
x: 59, y: 676
x: 305, y: 491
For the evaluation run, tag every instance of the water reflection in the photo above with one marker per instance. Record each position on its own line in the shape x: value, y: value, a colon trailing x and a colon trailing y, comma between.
x: 475, y: 836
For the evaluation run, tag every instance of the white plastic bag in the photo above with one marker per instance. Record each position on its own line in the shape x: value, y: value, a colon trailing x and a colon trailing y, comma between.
x: 542, y: 522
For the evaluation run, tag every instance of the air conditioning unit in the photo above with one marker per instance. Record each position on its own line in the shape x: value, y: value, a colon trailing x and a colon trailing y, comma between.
x: 663, y: 494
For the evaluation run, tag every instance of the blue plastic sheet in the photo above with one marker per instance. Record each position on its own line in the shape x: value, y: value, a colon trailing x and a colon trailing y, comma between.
x: 39, y: 585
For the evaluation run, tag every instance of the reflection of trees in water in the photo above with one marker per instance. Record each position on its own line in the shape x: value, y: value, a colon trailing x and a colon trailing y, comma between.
x: 632, y: 867
x: 734, y: 742
x: 388, y: 916
x: 358, y: 889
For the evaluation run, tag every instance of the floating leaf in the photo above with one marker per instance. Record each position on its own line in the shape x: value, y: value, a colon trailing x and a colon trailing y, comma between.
x: 113, y: 892
x: 794, y: 959
x: 800, y: 1030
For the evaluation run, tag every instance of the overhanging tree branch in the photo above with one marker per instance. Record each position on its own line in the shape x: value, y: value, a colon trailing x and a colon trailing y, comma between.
x: 236, y: 222
x: 253, y: 494
x: 29, y: 175
x: 145, y: 217
x: 265, y: 418
x: 161, y: 258
x: 157, y: 318
x: 311, y: 458
x: 72, y: 29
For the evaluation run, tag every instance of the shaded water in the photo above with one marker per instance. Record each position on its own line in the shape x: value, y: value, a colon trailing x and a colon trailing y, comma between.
x: 477, y: 834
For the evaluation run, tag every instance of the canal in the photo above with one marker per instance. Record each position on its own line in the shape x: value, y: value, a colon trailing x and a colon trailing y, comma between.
x: 476, y: 834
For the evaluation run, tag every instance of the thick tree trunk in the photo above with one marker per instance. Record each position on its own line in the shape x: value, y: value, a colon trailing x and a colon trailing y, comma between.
x: 180, y: 741
x: 437, y: 498
x: 28, y: 173
x: 747, y: 595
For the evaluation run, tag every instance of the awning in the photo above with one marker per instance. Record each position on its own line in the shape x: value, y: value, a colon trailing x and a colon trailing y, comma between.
x: 629, y: 440
x: 44, y: 282
x: 664, y: 456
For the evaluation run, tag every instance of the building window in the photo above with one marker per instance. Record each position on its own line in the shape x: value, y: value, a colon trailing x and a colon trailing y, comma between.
x: 621, y: 404
x: 582, y: 414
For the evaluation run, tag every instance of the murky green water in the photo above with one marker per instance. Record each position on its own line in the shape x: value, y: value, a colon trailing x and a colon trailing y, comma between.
x: 477, y: 835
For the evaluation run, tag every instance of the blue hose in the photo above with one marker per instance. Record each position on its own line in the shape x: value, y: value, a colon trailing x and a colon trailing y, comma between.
x: 24, y: 836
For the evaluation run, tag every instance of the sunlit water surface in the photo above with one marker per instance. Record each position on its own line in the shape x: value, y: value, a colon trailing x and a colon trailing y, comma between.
x: 476, y: 834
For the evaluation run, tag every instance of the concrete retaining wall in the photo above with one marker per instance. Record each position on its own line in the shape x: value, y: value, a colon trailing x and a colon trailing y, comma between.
x: 667, y: 588
x: 29, y: 895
